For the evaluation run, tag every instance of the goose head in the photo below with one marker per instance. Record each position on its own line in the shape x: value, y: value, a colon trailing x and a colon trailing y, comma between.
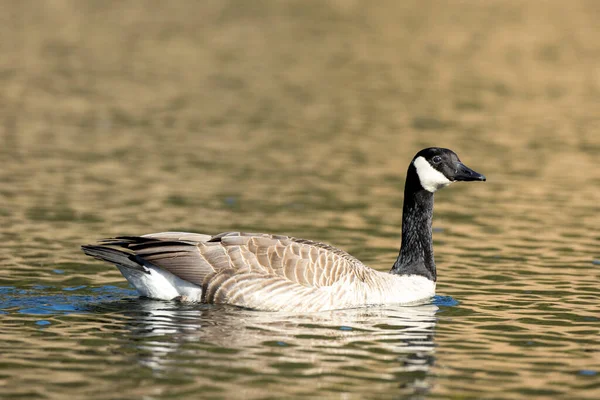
x: 437, y: 167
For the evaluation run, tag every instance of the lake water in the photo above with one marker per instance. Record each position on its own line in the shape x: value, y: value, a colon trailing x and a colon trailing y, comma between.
x: 300, y: 118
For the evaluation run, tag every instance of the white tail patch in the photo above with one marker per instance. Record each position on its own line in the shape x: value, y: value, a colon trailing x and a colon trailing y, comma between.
x: 161, y: 284
x: 431, y: 179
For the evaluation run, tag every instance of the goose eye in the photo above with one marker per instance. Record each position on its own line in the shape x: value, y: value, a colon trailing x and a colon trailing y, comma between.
x: 436, y: 159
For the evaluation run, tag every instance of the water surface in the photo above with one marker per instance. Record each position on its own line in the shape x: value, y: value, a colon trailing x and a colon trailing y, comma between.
x: 300, y: 118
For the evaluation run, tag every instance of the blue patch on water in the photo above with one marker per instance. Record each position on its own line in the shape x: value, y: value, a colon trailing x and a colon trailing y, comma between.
x: 46, y: 300
x: 73, y: 288
x: 444, y: 301
x: 58, y: 271
x: 42, y: 322
x: 345, y: 328
x: 587, y: 372
x: 64, y: 307
x: 596, y: 262
x: 110, y: 288
x: 283, y: 344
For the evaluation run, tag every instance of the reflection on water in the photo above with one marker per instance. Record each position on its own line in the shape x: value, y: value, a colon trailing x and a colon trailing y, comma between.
x: 299, y: 118
x: 378, y: 349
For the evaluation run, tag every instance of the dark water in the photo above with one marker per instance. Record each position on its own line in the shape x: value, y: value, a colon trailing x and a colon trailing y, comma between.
x: 300, y: 117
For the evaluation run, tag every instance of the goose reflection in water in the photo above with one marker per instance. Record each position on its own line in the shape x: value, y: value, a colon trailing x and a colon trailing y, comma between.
x: 378, y: 348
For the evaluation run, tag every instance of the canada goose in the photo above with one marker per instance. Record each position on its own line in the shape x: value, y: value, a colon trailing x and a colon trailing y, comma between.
x: 273, y: 272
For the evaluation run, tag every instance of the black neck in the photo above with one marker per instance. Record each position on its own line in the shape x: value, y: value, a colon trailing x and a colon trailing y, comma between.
x: 416, y: 252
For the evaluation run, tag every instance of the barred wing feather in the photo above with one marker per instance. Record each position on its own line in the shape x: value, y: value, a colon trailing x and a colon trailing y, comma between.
x: 261, y: 271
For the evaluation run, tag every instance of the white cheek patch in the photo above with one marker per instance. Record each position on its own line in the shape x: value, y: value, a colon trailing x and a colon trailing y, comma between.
x: 431, y: 179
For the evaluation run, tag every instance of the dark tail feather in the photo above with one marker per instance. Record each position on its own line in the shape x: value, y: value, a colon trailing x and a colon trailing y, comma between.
x: 116, y: 256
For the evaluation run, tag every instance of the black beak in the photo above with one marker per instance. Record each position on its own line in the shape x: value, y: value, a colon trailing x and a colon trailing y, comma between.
x: 464, y: 173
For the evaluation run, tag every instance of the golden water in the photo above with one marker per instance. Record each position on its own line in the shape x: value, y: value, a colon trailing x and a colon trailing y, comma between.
x: 300, y: 117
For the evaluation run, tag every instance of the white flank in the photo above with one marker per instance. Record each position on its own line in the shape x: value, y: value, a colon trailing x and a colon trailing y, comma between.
x: 404, y: 289
x: 161, y: 284
x: 382, y: 288
x: 431, y: 179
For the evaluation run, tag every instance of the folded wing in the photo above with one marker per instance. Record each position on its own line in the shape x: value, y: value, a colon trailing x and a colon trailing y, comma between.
x: 261, y: 271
